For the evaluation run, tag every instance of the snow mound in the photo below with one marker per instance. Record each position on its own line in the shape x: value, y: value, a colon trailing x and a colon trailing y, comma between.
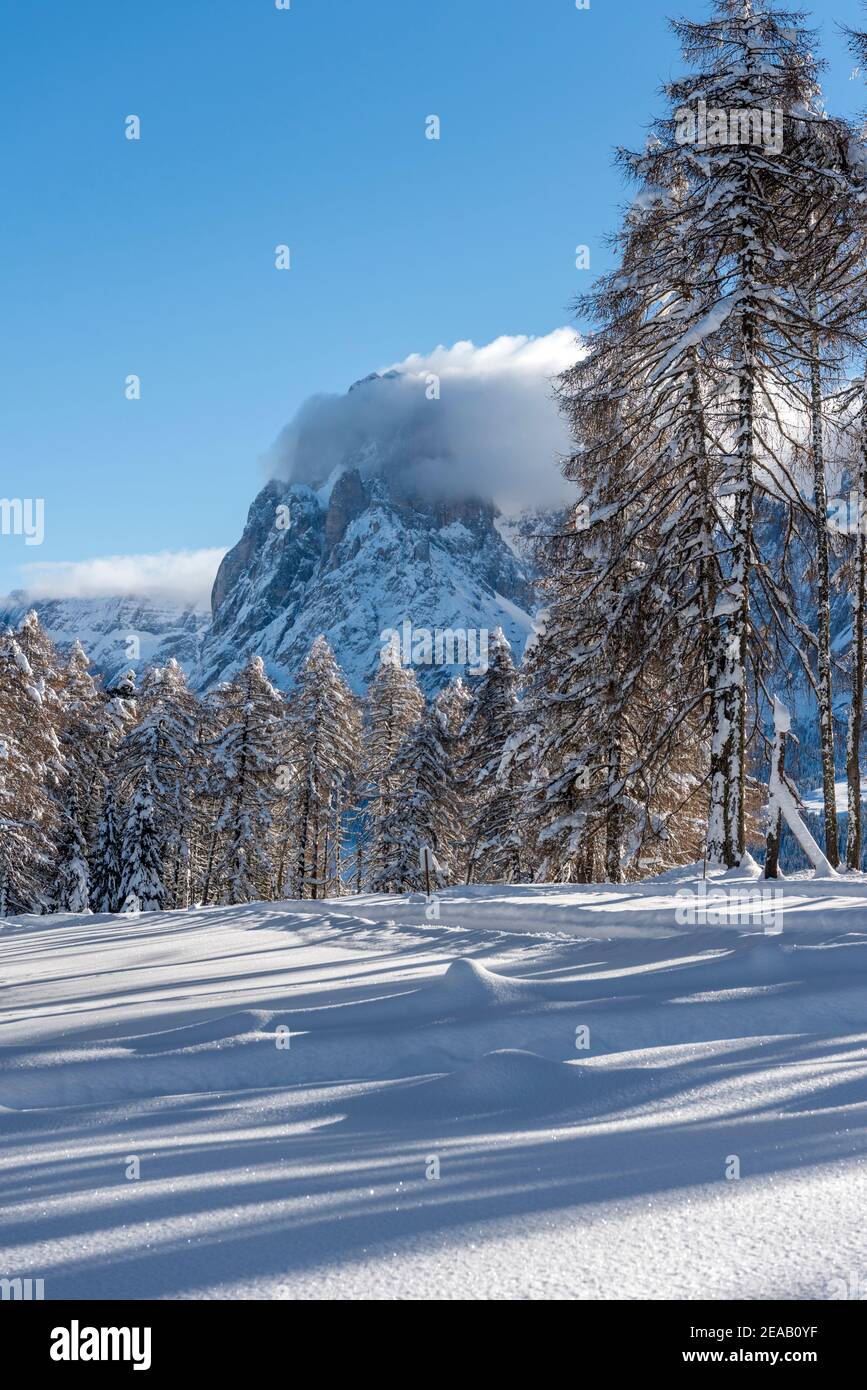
x: 466, y: 988
x: 468, y: 985
x: 505, y: 1080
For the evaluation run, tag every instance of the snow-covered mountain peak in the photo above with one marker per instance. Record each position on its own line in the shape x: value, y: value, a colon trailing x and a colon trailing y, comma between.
x: 353, y: 561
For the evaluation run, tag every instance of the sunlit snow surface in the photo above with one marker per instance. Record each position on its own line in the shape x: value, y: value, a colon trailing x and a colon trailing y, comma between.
x: 417, y: 1043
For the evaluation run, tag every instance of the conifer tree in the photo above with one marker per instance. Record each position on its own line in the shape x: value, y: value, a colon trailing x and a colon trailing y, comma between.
x: 858, y: 43
x: 492, y: 840
x: 451, y: 707
x: 106, y: 859
x: 394, y: 707
x: 707, y: 342
x: 89, y: 732
x: 453, y: 703
x: 71, y: 888
x: 162, y: 746
x: 246, y: 756
x: 141, y: 881
x: 31, y: 778
x: 324, y: 749
x: 422, y: 811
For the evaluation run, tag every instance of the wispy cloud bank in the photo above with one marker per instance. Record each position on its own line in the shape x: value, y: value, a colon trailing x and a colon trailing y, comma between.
x: 493, y: 429
x: 173, y: 576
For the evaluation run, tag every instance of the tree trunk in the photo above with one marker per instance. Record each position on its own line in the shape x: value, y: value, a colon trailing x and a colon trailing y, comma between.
x: 338, y: 841
x: 714, y: 636
x: 614, y: 819
x: 775, y: 829
x: 856, y: 709
x: 206, y: 889
x: 823, y: 626
x: 315, y: 849
x: 301, y: 862
x: 734, y: 681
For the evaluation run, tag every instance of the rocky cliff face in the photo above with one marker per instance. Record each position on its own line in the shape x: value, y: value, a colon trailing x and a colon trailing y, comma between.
x: 352, y: 560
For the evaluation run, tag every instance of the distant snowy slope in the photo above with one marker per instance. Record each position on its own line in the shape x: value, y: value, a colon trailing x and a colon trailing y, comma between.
x: 117, y: 633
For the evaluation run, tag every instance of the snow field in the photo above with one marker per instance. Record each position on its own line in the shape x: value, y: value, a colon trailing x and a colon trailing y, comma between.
x: 538, y: 1095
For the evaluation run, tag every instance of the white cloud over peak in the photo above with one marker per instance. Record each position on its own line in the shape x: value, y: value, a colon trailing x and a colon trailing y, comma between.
x: 493, y: 430
x: 519, y: 355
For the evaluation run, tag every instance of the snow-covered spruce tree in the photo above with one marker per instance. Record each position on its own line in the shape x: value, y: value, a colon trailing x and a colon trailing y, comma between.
x: 184, y: 715
x: 522, y: 762
x: 90, y: 728
x: 10, y: 904
x: 452, y: 705
x: 141, y: 876
x: 324, y: 751
x: 393, y: 707
x: 163, y: 746
x: 105, y: 863
x: 31, y: 778
x: 492, y: 839
x: 83, y: 726
x: 71, y: 886
x: 121, y: 696
x: 209, y: 787
x: 245, y: 758
x: 550, y: 752
x: 205, y: 796
x: 422, y: 813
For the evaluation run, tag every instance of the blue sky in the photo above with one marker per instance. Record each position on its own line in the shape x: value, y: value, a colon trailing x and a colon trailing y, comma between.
x: 304, y: 127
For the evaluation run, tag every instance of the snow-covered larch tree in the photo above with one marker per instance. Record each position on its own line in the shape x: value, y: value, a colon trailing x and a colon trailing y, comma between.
x: 680, y: 410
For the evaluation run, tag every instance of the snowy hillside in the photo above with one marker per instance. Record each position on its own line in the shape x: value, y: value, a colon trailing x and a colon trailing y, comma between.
x: 117, y: 633
x: 362, y: 1099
